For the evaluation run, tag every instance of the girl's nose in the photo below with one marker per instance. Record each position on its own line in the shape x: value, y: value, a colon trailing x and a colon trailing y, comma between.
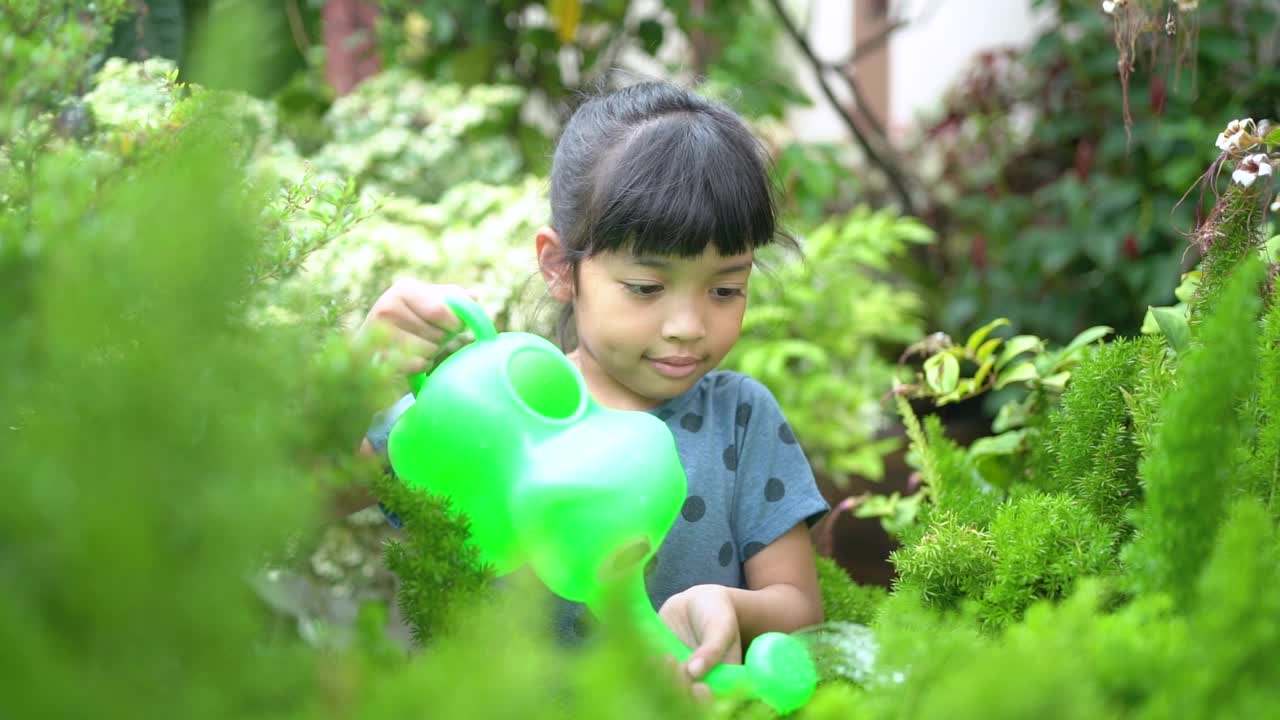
x: 684, y: 323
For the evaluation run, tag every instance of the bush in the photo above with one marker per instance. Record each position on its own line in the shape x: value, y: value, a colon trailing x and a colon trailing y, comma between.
x: 815, y: 332
x: 1042, y: 197
x: 1106, y: 566
x: 844, y: 600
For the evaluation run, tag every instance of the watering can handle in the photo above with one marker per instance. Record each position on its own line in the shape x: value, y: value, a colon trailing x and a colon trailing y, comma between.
x: 473, y: 317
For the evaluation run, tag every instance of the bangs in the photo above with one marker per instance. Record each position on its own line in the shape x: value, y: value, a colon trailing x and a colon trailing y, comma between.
x: 678, y: 184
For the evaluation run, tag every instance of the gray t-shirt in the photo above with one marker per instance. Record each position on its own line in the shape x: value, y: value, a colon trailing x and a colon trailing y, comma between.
x: 749, y: 483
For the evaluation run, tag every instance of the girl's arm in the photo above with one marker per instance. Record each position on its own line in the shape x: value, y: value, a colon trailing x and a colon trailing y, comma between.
x: 783, y: 582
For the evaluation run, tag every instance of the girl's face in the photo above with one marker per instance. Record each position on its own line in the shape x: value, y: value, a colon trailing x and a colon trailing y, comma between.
x: 650, y: 327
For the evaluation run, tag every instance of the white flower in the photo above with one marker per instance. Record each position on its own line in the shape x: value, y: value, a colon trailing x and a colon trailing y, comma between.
x: 1265, y: 127
x: 1275, y: 206
x: 1109, y: 6
x: 1235, y: 134
x: 1251, y: 168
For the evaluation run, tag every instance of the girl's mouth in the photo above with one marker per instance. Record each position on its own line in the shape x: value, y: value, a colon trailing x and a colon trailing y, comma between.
x: 675, y: 366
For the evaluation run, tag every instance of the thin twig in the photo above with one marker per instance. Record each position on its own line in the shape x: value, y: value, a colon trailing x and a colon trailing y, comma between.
x: 296, y: 27
x: 864, y: 108
x: 895, y: 178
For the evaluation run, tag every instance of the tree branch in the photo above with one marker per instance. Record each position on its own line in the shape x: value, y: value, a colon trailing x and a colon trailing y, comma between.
x: 863, y: 106
x: 296, y: 27
x: 896, y: 181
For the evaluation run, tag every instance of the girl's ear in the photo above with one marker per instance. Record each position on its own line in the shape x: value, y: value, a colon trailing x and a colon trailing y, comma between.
x: 551, y: 261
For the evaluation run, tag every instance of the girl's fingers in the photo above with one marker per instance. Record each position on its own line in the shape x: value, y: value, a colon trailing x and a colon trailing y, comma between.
x: 701, y: 692
x: 676, y: 671
x: 408, y: 321
x: 718, y: 640
x: 409, y: 353
x: 427, y: 304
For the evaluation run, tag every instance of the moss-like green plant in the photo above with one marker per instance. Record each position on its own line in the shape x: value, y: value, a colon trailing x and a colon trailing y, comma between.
x: 1153, y: 379
x: 1090, y: 433
x: 1229, y: 668
x: 1231, y: 235
x: 1187, y: 474
x: 960, y: 489
x: 1043, y: 544
x: 1260, y: 457
x: 439, y: 573
x: 950, y: 562
x: 844, y: 600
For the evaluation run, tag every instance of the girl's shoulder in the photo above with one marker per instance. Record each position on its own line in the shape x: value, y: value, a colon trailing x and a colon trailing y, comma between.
x: 719, y: 394
x: 733, y: 383
x: 741, y: 398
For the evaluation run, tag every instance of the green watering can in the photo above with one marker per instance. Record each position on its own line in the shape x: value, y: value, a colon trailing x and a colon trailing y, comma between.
x: 506, y: 430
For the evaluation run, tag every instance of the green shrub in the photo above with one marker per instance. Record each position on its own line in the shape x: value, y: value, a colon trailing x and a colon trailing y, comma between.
x: 815, y: 329
x: 398, y: 134
x: 1227, y: 669
x: 1186, y: 476
x: 440, y: 575
x: 1043, y: 545
x: 1260, y: 458
x: 960, y: 488
x: 165, y: 444
x: 1090, y: 436
x: 844, y: 600
x: 951, y: 562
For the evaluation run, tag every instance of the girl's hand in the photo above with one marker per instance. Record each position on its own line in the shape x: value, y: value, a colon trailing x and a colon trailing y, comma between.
x: 704, y: 618
x: 409, y: 323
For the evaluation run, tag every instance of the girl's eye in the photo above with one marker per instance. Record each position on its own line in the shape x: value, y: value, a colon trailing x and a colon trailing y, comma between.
x: 642, y: 290
x: 724, y: 293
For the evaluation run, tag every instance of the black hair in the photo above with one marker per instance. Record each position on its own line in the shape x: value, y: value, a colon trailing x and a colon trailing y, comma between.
x: 655, y: 169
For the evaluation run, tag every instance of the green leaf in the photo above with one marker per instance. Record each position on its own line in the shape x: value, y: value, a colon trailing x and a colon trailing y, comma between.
x: 984, y: 352
x: 1173, y: 323
x: 1017, y: 345
x: 876, y: 506
x: 1190, y: 283
x: 1021, y: 372
x: 1006, y: 443
x: 1273, y: 138
x: 914, y: 231
x: 904, y: 515
x: 979, y: 335
x: 1086, y: 337
x: 896, y: 513
x: 1010, y: 415
x: 866, y: 462
x: 942, y: 372
x: 1057, y: 381
x: 983, y: 371
x: 962, y: 390
x: 1149, y: 324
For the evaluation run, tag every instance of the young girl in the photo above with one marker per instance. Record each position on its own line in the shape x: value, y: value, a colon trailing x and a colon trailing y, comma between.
x: 659, y: 200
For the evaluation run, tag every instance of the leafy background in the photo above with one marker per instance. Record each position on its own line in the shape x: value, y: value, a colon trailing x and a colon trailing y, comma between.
x: 190, y: 221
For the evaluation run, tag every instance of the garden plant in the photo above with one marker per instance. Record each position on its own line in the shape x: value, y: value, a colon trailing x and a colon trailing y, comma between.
x: 180, y: 405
